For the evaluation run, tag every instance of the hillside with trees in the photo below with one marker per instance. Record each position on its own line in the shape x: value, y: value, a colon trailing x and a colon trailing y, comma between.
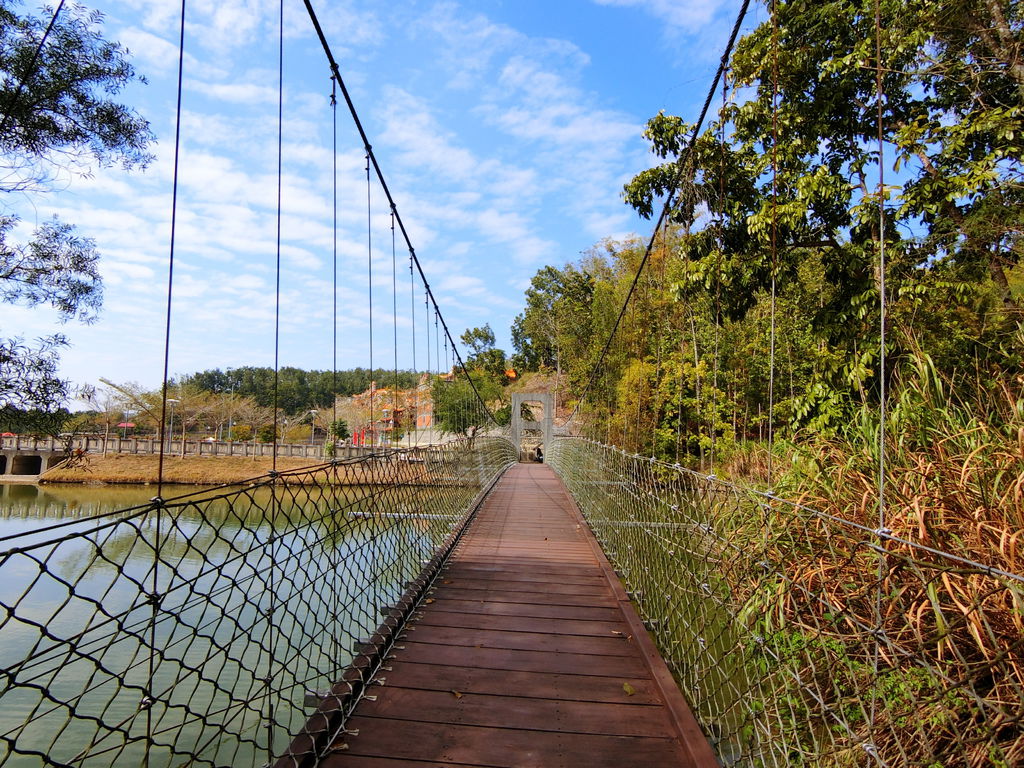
x: 296, y: 389
x: 776, y: 231
x: 751, y: 346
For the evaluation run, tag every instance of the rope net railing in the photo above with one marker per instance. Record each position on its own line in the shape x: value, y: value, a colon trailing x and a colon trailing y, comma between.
x: 274, y: 602
x: 767, y: 613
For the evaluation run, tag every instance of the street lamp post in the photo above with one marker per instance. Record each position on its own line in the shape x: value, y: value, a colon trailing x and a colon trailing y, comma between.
x: 312, y: 426
x: 170, y: 427
x: 231, y: 406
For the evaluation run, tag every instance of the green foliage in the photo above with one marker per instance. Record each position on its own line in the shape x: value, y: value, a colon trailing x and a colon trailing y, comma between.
x: 298, y: 390
x: 57, y: 268
x: 338, y: 430
x: 33, y: 422
x: 556, y: 315
x: 266, y: 433
x: 776, y: 235
x: 483, y: 354
x: 788, y: 175
x: 457, y: 409
x: 29, y: 380
x: 59, y: 106
x: 241, y: 432
x: 479, y: 340
x: 58, y: 92
x: 297, y: 433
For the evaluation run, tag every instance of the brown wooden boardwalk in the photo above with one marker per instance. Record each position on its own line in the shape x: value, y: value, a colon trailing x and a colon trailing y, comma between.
x: 528, y: 653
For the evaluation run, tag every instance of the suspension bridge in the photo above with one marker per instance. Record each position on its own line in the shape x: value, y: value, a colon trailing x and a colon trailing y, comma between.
x: 602, y: 608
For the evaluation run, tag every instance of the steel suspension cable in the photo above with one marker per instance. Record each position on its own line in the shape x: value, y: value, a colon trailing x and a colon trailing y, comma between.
x: 372, y: 159
x: 660, y: 337
x: 682, y: 172
x: 148, y: 701
x: 369, y: 291
x: 879, y: 94
x: 332, y: 435
x: 882, y: 528
x: 332, y: 432
x: 274, y: 502
x: 426, y: 325
x: 774, y: 236
x: 719, y: 251
x: 394, y: 318
x: 412, y: 326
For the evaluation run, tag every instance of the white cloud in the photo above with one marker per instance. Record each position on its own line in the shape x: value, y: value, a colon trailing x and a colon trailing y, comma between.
x: 410, y: 126
x: 237, y: 93
x: 471, y: 43
x: 684, y: 15
x: 550, y: 110
x: 464, y: 285
x: 151, y: 52
x: 351, y: 30
x: 157, y: 16
x: 230, y: 23
x: 119, y: 272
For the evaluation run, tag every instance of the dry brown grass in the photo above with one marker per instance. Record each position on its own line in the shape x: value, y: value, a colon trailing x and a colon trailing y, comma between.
x: 210, y: 470
x: 958, y: 487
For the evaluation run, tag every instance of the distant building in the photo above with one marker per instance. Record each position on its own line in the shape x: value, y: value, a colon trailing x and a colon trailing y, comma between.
x: 375, y: 415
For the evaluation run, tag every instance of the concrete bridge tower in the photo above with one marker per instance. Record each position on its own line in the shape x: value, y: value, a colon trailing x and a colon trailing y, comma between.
x: 528, y: 433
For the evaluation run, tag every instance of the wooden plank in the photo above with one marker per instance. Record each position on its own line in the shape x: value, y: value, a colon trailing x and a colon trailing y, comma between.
x: 541, y: 685
x: 522, y: 578
x: 504, y: 747
x: 611, y: 645
x: 552, y: 585
x: 510, y: 573
x: 521, y: 660
x: 553, y: 626
x: 517, y: 596
x: 369, y: 761
x: 526, y: 713
x: 585, y: 612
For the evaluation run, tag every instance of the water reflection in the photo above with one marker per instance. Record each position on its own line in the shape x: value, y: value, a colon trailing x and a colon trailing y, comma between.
x: 58, y: 501
x: 249, y: 595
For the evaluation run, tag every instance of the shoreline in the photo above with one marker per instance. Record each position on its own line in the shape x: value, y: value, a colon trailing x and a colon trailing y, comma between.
x: 128, y: 469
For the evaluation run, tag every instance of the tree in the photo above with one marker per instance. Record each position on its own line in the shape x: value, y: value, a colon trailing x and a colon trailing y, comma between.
x: 457, y: 409
x: 557, y: 313
x: 298, y: 390
x: 483, y: 354
x: 248, y: 417
x: 338, y: 430
x: 28, y: 374
x: 59, y: 269
x: 789, y: 178
x: 58, y: 81
x: 479, y: 340
x: 57, y: 87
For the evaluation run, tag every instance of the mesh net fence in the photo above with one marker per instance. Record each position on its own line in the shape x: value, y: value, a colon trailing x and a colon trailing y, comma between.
x: 801, y: 638
x: 205, y: 629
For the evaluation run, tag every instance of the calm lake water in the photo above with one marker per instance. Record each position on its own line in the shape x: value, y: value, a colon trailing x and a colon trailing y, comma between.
x: 261, y: 597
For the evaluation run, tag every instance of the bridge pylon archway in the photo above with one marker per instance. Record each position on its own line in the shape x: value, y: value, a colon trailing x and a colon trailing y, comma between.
x: 530, y: 432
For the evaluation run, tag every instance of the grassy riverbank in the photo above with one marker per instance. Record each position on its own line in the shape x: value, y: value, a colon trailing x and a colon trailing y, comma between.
x: 206, y: 470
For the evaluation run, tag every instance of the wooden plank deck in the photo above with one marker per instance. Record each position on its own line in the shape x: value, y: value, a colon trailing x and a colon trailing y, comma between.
x: 528, y: 653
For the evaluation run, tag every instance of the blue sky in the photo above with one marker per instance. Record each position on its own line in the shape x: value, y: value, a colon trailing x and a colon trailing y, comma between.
x: 505, y: 130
